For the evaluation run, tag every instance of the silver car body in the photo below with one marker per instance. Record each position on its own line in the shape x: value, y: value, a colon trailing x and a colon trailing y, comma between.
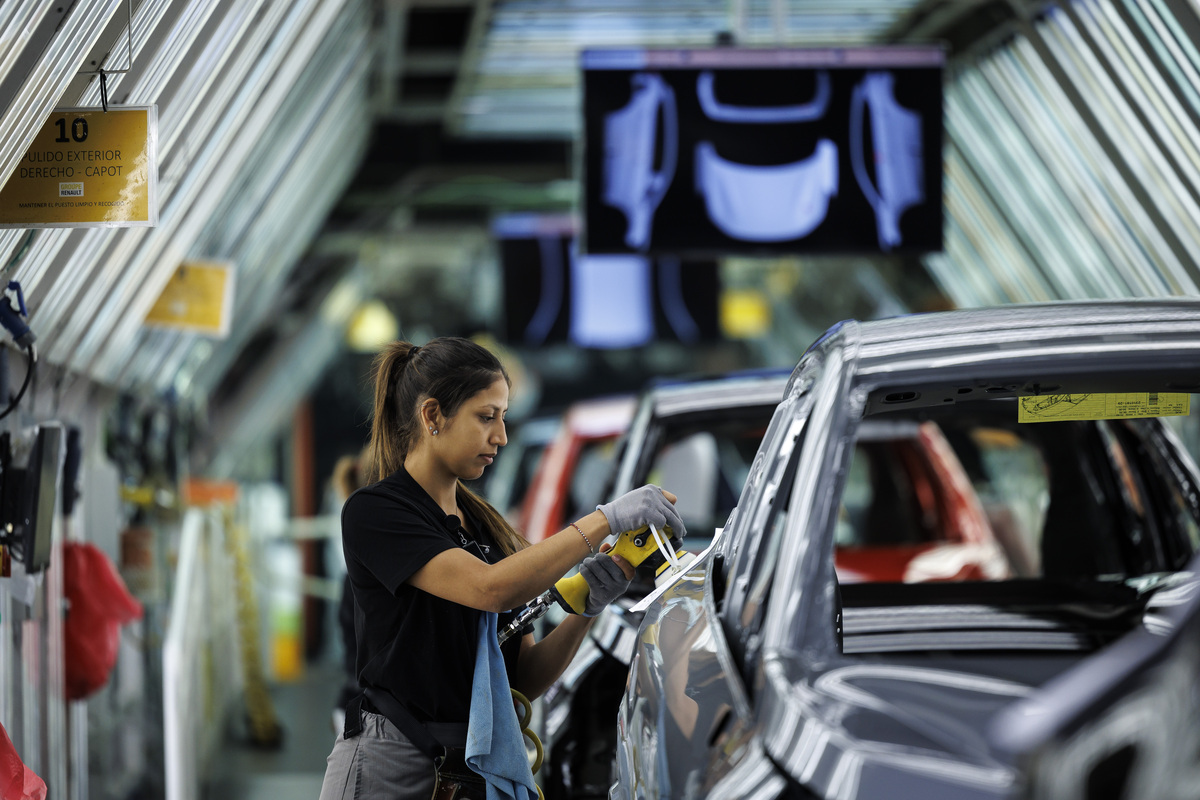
x: 738, y: 685
x: 604, y: 655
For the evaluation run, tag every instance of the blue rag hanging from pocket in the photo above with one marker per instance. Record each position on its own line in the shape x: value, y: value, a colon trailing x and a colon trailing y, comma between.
x: 495, y: 746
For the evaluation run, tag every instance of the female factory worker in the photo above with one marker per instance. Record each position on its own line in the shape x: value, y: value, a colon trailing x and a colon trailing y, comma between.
x: 426, y: 556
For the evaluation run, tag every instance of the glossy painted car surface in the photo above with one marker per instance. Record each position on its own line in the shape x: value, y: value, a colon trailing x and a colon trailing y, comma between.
x: 760, y: 674
x: 697, y: 438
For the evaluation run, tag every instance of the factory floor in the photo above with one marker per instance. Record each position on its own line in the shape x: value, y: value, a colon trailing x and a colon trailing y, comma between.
x: 294, y: 770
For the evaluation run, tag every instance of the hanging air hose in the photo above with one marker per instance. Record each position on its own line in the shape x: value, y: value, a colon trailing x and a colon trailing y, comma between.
x: 13, y: 320
x: 524, y: 716
x: 31, y: 363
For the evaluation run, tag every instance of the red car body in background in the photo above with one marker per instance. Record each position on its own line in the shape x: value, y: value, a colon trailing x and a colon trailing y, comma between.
x: 926, y: 523
x: 569, y: 481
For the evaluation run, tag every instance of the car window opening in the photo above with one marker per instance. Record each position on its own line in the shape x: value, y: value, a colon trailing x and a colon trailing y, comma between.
x: 960, y: 528
x: 707, y: 461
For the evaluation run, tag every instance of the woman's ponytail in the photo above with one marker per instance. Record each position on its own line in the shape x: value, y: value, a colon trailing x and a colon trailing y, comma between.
x: 389, y: 433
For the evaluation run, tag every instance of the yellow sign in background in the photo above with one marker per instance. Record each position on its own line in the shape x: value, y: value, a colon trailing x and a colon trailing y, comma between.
x: 198, y: 298
x: 87, y: 168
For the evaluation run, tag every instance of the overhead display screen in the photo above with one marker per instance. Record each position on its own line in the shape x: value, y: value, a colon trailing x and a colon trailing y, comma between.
x: 554, y: 294
x: 835, y: 151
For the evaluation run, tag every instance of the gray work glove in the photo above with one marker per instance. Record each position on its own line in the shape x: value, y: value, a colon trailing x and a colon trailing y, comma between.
x: 640, y: 507
x: 606, y: 582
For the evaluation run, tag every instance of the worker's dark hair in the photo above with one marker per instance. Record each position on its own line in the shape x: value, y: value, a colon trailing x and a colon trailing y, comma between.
x: 350, y: 473
x: 449, y: 370
x: 347, y: 476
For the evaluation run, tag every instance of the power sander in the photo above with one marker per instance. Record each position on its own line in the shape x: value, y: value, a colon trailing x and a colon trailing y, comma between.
x: 643, y: 546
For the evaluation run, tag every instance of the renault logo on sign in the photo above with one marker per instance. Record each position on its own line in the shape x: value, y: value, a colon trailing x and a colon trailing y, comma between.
x: 70, y: 190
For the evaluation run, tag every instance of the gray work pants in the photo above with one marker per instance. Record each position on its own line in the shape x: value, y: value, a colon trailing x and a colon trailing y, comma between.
x: 381, y: 764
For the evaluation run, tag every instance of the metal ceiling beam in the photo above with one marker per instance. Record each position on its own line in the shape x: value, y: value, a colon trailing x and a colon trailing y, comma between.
x: 39, y: 56
x: 481, y: 18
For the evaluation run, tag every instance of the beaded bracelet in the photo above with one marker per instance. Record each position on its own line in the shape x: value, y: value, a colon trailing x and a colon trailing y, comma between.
x: 585, y: 538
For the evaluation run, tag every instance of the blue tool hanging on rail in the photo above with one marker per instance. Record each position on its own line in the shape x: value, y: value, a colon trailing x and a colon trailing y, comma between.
x: 13, y: 320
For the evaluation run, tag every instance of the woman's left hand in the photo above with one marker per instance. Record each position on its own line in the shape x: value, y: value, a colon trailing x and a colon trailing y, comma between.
x: 607, y: 578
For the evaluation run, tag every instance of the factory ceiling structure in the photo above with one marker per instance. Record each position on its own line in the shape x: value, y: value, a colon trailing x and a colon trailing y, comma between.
x: 338, y: 150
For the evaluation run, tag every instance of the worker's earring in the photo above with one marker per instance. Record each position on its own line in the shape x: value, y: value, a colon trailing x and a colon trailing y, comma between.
x: 433, y: 431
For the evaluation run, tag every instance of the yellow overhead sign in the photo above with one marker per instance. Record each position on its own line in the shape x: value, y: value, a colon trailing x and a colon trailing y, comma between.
x: 1123, y: 405
x: 87, y: 168
x: 745, y: 314
x: 198, y: 298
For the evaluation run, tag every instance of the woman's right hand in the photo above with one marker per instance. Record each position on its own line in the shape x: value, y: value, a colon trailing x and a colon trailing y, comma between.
x: 643, y: 506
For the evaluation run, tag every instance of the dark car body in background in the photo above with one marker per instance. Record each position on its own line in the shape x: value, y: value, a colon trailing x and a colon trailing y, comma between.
x: 696, y: 438
x: 761, y: 673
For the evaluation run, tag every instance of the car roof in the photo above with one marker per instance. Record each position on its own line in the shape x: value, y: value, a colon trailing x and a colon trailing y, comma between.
x: 1035, y: 326
x: 600, y: 417
x: 1008, y: 351
x: 733, y: 390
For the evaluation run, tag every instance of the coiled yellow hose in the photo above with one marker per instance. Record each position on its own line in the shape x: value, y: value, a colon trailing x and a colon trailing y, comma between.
x: 524, y: 716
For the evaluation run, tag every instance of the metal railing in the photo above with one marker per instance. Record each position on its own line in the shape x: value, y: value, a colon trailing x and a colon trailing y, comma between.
x: 200, y: 679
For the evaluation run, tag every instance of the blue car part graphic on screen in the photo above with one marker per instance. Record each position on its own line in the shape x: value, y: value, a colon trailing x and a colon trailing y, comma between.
x: 551, y: 294
x: 767, y: 204
x: 896, y: 147
x: 599, y: 285
x: 631, y: 183
x: 670, y: 294
x: 804, y: 112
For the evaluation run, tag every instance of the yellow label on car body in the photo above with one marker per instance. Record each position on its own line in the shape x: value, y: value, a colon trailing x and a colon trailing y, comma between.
x: 1121, y: 405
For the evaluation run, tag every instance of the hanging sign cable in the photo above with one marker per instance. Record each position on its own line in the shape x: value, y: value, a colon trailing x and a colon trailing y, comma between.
x: 101, y: 71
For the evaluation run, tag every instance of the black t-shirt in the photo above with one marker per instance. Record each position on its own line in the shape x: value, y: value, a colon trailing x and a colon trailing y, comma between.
x: 417, y: 646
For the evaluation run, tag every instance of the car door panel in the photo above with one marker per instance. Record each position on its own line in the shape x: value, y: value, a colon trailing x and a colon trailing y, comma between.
x: 682, y: 693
